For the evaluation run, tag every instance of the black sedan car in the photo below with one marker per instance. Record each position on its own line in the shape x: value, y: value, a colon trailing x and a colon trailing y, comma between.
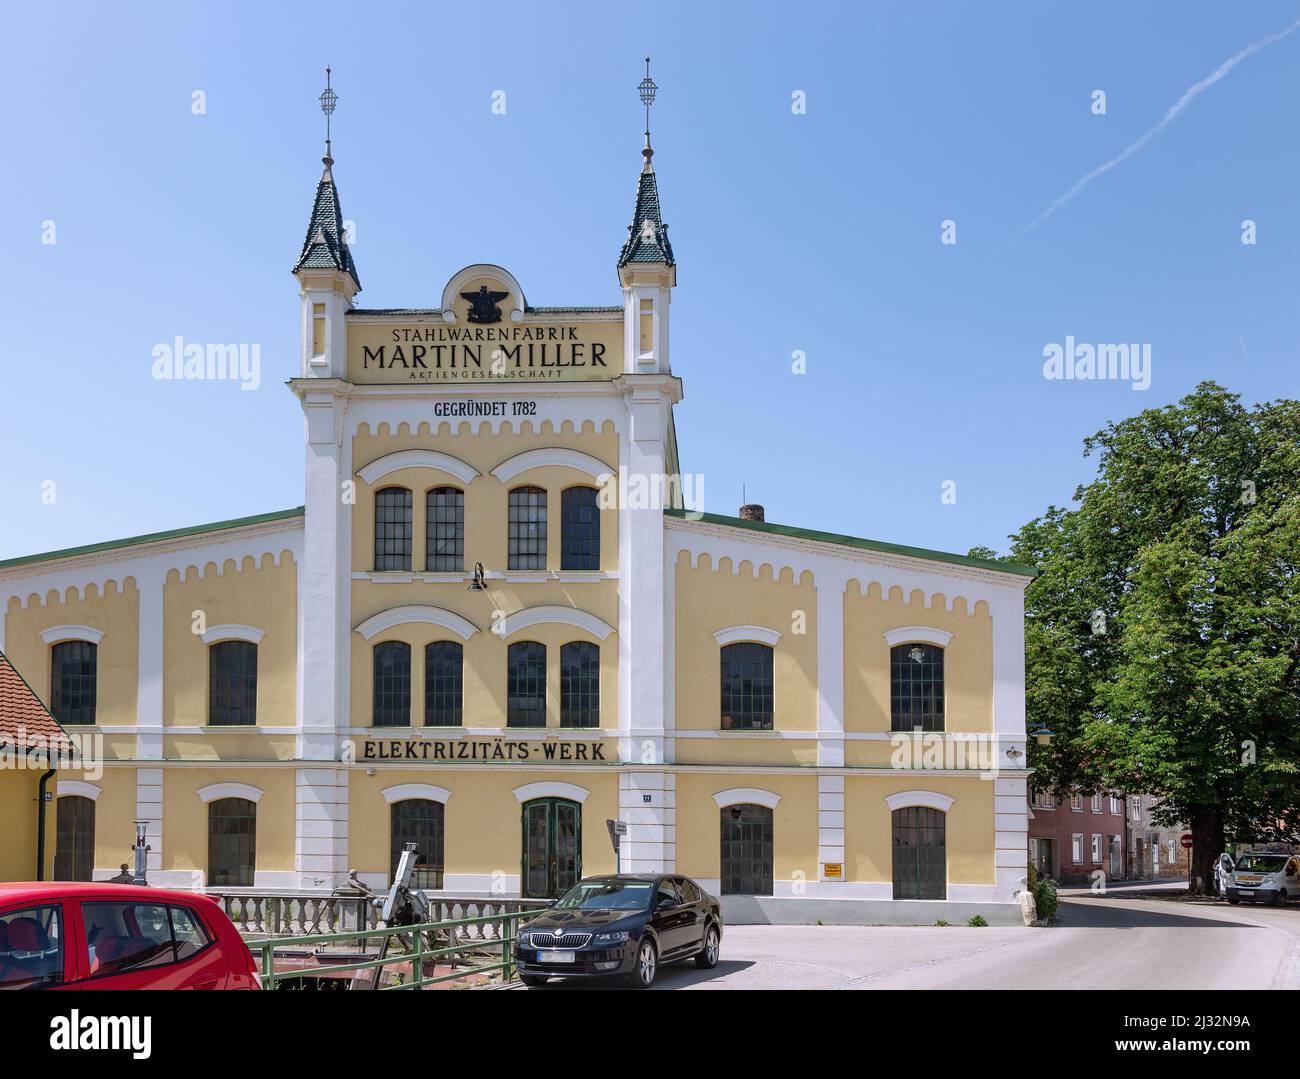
x: 620, y: 925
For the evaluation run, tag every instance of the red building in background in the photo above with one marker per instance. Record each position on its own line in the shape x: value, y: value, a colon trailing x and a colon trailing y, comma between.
x: 1072, y: 840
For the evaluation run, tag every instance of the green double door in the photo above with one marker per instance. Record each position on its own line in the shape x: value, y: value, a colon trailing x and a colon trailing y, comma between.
x: 552, y: 862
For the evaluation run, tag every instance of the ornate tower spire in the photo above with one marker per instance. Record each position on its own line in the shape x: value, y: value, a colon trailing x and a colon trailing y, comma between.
x: 326, y: 245
x: 647, y: 236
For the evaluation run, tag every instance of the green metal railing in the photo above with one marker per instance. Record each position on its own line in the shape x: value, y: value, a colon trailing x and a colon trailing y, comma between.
x: 404, y: 945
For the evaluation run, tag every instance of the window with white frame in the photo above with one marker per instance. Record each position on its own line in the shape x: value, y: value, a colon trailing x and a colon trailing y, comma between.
x: 1096, y: 848
x: 1096, y: 803
x: 1076, y: 803
x: 1116, y: 805
x: 1076, y: 848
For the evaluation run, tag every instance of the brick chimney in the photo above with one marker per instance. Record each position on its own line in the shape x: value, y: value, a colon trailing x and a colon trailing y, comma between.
x: 751, y: 511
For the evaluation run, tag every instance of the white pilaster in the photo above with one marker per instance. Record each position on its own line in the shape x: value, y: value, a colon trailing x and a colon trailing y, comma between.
x: 149, y: 808
x: 830, y: 822
x: 647, y: 801
x: 321, y: 828
x: 149, y: 694
x: 830, y: 583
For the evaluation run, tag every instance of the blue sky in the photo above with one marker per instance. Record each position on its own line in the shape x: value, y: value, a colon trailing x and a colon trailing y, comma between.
x: 816, y: 232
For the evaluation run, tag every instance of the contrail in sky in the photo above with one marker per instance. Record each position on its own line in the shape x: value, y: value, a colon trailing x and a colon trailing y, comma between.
x: 1168, y: 118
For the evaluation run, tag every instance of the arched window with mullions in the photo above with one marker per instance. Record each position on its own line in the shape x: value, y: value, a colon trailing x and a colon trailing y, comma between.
x: 527, y: 528
x: 916, y: 687
x: 232, y: 684
x: 393, y: 528
x: 526, y: 684
x: 73, y: 677
x: 445, y: 530
x: 418, y: 821
x: 74, y: 853
x: 232, y: 842
x: 747, y: 693
x: 443, y: 683
x: 579, y: 684
x: 579, y: 528
x: 392, y: 701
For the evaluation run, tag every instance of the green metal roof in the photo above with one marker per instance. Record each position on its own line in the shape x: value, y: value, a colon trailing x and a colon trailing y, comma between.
x: 152, y: 537
x: 855, y: 541
x: 326, y: 245
x: 647, y: 236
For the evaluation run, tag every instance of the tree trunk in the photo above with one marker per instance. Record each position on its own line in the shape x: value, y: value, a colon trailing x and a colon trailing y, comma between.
x: 1207, y: 845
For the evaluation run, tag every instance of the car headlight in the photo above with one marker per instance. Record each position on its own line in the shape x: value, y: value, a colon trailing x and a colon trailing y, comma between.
x: 611, y: 938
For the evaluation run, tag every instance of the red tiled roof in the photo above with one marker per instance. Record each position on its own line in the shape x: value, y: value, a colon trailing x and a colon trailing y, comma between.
x: 24, y: 721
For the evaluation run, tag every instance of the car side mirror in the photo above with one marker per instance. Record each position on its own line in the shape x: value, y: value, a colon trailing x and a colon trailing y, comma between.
x: 663, y: 901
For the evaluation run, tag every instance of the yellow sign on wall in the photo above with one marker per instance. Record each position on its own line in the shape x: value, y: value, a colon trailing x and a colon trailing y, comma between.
x: 832, y: 870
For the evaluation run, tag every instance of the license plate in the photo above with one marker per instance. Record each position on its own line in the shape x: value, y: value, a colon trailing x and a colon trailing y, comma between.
x: 546, y: 956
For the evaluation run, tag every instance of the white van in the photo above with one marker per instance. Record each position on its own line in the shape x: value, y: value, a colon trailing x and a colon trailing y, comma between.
x: 1263, y: 877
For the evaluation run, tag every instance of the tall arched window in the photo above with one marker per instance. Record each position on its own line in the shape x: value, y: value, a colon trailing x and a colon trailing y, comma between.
x: 920, y: 853
x: 443, y: 662
x: 747, y: 693
x: 579, y: 684
x: 445, y: 530
x: 526, y: 685
x: 232, y: 683
x: 916, y: 687
x: 72, y: 681
x: 579, y: 528
x: 418, y: 821
x: 74, y: 852
x: 392, y: 685
x: 746, y: 849
x: 527, y: 528
x: 232, y: 842
x: 393, y: 528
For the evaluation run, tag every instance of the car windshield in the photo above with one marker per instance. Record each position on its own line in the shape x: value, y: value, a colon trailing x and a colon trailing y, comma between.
x: 607, y: 895
x: 1261, y: 863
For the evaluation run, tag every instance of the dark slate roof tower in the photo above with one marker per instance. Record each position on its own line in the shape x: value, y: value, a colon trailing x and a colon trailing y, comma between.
x: 647, y: 236
x: 326, y: 245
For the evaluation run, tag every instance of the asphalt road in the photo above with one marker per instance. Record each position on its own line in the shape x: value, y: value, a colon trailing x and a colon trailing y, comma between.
x: 1131, y: 938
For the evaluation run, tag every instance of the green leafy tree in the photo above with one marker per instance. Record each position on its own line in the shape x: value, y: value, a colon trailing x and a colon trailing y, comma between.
x: 1163, y: 636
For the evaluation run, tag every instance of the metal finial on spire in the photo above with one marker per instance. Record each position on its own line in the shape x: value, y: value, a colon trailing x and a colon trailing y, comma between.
x: 328, y: 100
x: 647, y: 89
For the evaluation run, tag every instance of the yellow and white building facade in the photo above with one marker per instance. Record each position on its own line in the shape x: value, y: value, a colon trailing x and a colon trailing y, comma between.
x: 495, y: 626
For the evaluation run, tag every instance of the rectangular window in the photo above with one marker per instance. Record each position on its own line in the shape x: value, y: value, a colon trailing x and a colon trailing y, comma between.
x: 33, y: 938
x: 1076, y: 803
x: 443, y: 688
x: 580, y: 528
x: 445, y: 535
x: 318, y: 329
x: 747, y: 687
x: 527, y: 528
x: 1076, y: 848
x: 526, y: 685
x: 1116, y: 805
x: 1096, y: 803
x: 1096, y: 849
x: 393, y: 529
x: 392, y: 696
x: 232, y: 683
x: 579, y: 684
x: 73, y: 670
x: 1135, y: 804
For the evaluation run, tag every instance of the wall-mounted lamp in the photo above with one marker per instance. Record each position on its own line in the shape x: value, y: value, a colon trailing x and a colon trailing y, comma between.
x: 477, y: 584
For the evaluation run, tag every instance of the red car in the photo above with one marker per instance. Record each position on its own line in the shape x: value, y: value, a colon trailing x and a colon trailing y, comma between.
x: 118, y: 936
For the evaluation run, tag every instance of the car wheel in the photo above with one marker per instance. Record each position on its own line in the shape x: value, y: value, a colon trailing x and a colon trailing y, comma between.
x: 647, y: 965
x: 532, y: 980
x: 707, y: 958
x: 1280, y: 899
